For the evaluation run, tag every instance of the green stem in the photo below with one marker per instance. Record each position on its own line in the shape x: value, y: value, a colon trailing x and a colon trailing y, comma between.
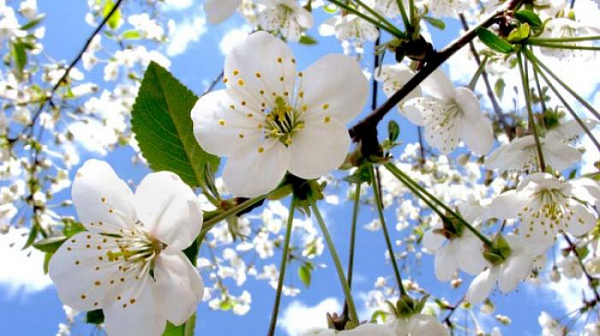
x: 229, y: 212
x: 564, y: 46
x: 405, y: 19
x: 355, y: 208
x: 539, y: 88
x: 380, y: 17
x: 392, y: 30
x: 582, y: 101
x: 404, y: 178
x: 567, y: 106
x: 336, y: 261
x: 478, y: 73
x: 386, y: 235
x: 562, y: 40
x: 284, y: 259
x: 526, y: 93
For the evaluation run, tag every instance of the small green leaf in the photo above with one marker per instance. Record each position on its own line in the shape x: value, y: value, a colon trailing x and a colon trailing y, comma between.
x: 49, y: 245
x: 393, y: 131
x: 94, y: 317
x: 47, y: 258
x: 494, y: 42
x: 499, y: 88
x: 519, y: 34
x: 131, y: 34
x: 304, y: 274
x: 527, y: 16
x: 115, y: 19
x: 437, y: 23
x: 163, y: 127
x: 33, y: 23
x: 583, y: 252
x: 20, y: 56
x: 307, y: 40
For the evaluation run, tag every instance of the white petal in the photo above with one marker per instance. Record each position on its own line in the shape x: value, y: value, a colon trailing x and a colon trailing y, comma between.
x: 470, y: 257
x: 582, y: 220
x: 394, y: 77
x: 319, y: 148
x: 560, y: 155
x: 221, y: 129
x: 481, y: 286
x: 168, y: 209
x: 260, y: 68
x: 426, y: 325
x: 438, y: 85
x: 143, y: 317
x: 82, y: 272
x: 399, y: 326
x: 507, y: 205
x: 218, y: 11
x: 254, y: 172
x: 179, y: 287
x: 515, y: 269
x: 334, y: 86
x: 103, y: 201
x: 445, y: 261
x: 433, y: 241
x: 587, y: 190
x: 368, y: 329
x: 476, y: 130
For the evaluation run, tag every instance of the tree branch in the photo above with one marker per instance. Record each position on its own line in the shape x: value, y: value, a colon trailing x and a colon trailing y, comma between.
x: 367, y: 127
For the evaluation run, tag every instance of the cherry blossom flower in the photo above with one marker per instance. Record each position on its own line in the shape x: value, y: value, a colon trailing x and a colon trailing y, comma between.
x: 129, y: 263
x: 516, y: 267
x: 418, y: 325
x: 547, y: 207
x: 286, y: 17
x: 521, y: 154
x: 462, y: 249
x: 349, y: 27
x: 559, y: 28
x: 448, y: 8
x: 271, y: 119
x: 449, y: 115
x: 218, y: 11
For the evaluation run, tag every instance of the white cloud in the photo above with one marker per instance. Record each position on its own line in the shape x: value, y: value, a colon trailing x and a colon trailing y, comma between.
x: 298, y: 317
x: 232, y: 38
x: 184, y: 33
x: 22, y: 270
x: 177, y: 5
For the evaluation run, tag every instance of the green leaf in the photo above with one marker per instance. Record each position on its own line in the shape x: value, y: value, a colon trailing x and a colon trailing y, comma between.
x: 94, y: 317
x: 47, y: 258
x: 20, y: 56
x: 527, y: 16
x: 131, y: 34
x: 494, y: 42
x: 519, y: 34
x: 163, y: 127
x: 437, y: 23
x: 583, y: 252
x: 49, y: 245
x: 393, y: 131
x: 307, y: 40
x: 115, y: 19
x: 33, y: 23
x: 499, y: 88
x: 186, y: 329
x: 304, y: 274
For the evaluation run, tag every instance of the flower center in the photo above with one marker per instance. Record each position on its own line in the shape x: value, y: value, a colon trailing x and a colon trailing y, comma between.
x: 136, y: 249
x: 451, y: 111
x: 282, y: 122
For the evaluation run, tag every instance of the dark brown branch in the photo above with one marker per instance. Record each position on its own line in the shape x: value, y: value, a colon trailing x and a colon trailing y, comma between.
x: 366, y: 129
x: 490, y: 93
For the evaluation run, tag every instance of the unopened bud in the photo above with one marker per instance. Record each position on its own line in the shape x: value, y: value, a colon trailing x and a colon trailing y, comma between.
x: 503, y: 319
x: 554, y: 275
x: 487, y: 307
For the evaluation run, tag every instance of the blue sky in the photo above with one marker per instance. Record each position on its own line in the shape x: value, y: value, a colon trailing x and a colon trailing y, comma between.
x: 38, y: 313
